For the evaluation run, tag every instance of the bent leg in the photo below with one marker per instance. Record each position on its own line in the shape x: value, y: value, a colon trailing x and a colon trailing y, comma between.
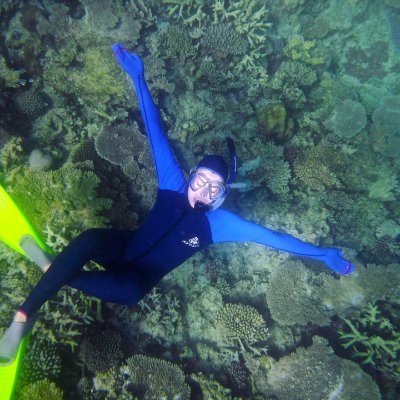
x: 121, y: 287
x: 106, y: 246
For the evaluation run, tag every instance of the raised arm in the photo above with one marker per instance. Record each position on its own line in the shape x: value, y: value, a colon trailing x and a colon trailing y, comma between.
x: 229, y: 227
x: 169, y: 174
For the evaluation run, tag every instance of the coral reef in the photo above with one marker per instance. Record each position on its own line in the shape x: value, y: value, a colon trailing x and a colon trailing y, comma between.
x: 374, y: 340
x: 220, y: 41
x: 292, y: 296
x: 385, y: 127
x: 348, y: 119
x: 243, y: 323
x: 174, y: 42
x: 159, y: 378
x: 275, y: 123
x: 8, y: 77
x: 298, y: 49
x: 100, y: 348
x: 31, y: 103
x: 44, y: 390
x: 41, y: 361
x: 316, y: 168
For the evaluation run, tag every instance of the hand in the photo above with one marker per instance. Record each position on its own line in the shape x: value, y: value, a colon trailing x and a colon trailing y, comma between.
x: 335, y: 260
x: 130, y: 63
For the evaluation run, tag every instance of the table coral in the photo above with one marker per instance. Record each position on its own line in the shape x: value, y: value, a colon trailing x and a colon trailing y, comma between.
x: 293, y: 297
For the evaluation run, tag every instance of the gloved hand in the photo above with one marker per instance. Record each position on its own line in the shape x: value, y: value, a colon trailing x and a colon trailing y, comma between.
x: 335, y: 260
x: 130, y: 63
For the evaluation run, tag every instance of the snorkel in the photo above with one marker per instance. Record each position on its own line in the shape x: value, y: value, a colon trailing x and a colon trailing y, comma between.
x: 219, y: 168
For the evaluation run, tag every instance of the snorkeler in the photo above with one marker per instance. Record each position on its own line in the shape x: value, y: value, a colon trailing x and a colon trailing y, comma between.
x: 185, y: 218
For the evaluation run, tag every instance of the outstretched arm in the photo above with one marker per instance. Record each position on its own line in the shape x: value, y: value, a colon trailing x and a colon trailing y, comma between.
x: 169, y: 174
x: 229, y: 227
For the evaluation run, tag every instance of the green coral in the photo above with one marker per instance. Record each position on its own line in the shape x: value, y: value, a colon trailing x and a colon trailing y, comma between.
x: 298, y: 49
x: 173, y: 42
x: 242, y: 322
x: 64, y: 198
x: 316, y: 168
x: 159, y: 378
x: 8, y: 76
x: 312, y: 373
x: 42, y: 360
x: 43, y: 390
x: 97, y: 81
x: 292, y: 296
x: 222, y: 40
x: 374, y: 339
x: 289, y: 81
x: 100, y: 349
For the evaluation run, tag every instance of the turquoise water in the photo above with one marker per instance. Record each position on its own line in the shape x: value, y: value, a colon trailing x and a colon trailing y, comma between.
x: 310, y: 92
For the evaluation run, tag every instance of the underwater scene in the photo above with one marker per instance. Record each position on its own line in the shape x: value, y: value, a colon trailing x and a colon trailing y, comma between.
x: 309, y: 91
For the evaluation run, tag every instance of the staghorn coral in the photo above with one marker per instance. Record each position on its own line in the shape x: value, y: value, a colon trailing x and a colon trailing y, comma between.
x: 221, y: 41
x: 374, y: 339
x: 100, y: 349
x: 12, y: 159
x: 210, y: 388
x: 159, y: 378
x: 242, y: 322
x: 43, y: 390
x: 293, y: 298
x: 156, y: 75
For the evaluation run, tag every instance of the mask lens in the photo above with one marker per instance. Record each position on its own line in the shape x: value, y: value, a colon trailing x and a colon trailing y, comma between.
x: 215, y: 189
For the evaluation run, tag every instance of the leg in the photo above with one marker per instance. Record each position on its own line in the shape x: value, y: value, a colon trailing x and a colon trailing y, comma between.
x: 106, y: 246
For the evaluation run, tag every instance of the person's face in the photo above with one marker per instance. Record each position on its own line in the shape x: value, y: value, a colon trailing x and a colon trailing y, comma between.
x: 200, y: 195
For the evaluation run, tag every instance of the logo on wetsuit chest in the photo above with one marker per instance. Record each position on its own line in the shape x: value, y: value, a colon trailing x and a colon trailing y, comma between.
x: 193, y: 242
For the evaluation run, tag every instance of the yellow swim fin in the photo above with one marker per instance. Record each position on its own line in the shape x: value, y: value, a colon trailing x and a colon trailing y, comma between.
x: 13, y: 226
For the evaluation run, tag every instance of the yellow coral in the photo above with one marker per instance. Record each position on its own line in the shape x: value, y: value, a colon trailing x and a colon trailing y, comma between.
x: 299, y: 49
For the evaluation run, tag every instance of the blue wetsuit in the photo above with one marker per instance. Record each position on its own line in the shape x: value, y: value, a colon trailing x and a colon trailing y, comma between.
x: 135, y: 261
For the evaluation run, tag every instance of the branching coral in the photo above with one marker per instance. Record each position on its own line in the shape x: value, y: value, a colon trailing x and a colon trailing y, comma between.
x: 374, y: 339
x: 173, y: 42
x: 159, y: 378
x: 66, y: 196
x: 41, y: 361
x: 242, y: 323
x: 298, y: 49
x: 222, y: 40
x: 32, y: 103
x: 9, y: 77
x: 317, y: 167
x: 44, y: 390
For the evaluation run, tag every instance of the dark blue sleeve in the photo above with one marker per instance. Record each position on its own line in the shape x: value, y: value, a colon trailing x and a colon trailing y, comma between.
x: 229, y: 227
x: 169, y: 173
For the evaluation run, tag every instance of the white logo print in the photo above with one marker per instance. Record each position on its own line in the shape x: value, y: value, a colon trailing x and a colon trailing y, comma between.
x: 194, y: 242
